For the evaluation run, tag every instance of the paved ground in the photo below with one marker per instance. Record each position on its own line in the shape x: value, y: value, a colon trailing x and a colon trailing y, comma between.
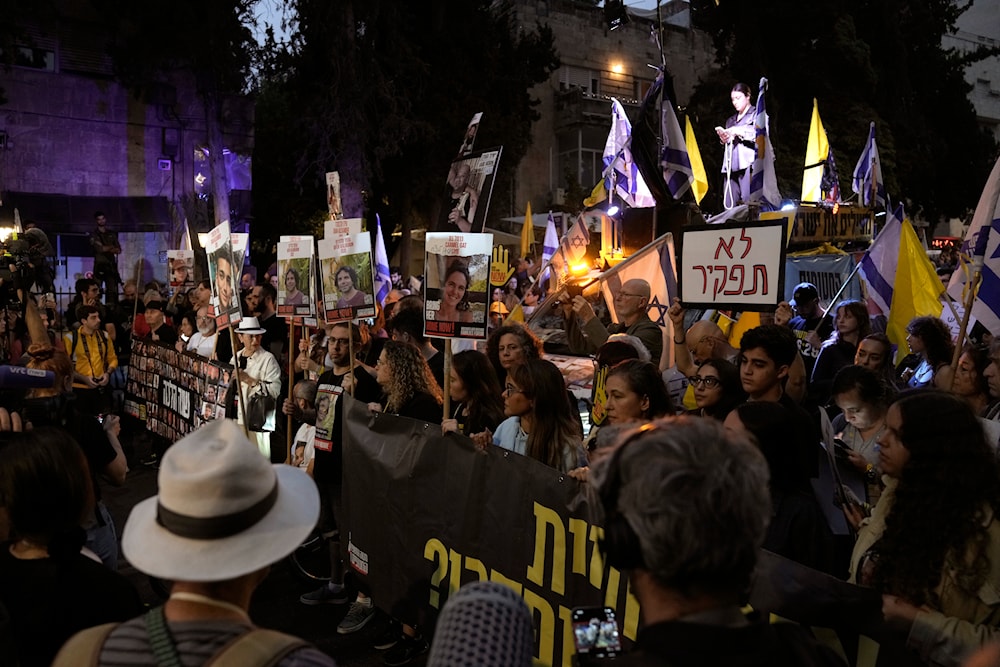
x: 275, y: 605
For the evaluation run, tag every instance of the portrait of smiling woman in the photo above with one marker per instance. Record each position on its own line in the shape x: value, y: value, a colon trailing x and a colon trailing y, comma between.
x: 454, y: 304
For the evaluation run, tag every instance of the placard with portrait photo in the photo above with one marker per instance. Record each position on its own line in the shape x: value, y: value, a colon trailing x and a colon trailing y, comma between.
x: 346, y: 267
x: 223, y: 271
x: 180, y: 263
x: 295, y: 278
x: 456, y: 287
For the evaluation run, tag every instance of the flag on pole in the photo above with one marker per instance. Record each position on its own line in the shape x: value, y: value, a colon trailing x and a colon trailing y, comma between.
x: 916, y: 290
x: 576, y: 240
x: 621, y: 175
x: 763, y: 181
x: 878, y: 266
x: 830, y: 185
x: 383, y: 279
x: 655, y: 265
x: 597, y: 195
x: 674, y: 158
x: 986, y: 220
x: 867, y: 181
x: 817, y: 152
x: 700, y: 185
x: 527, y: 233
x: 550, y: 244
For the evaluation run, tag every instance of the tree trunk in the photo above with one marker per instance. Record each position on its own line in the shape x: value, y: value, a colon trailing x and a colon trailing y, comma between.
x: 216, y: 159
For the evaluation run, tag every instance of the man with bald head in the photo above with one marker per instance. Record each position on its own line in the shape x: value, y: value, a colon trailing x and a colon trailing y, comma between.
x: 704, y: 340
x: 586, y: 333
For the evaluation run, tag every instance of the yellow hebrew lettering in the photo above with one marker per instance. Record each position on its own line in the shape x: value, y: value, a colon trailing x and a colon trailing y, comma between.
x: 435, y: 547
x: 596, y: 561
x: 568, y: 648
x: 545, y: 626
x: 630, y: 624
x: 456, y: 571
x: 578, y: 529
x: 476, y: 565
x: 545, y: 517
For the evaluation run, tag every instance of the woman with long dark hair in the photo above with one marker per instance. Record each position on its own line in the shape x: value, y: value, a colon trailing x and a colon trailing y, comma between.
x: 476, y: 392
x: 636, y: 393
x: 540, y: 422
x: 932, y: 543
x: 970, y: 383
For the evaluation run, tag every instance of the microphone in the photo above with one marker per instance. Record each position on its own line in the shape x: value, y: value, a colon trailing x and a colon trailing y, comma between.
x: 19, y: 377
x: 486, y: 624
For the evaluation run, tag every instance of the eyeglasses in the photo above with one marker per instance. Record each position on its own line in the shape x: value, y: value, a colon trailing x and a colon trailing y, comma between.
x: 626, y: 294
x: 708, y: 381
x: 511, y: 389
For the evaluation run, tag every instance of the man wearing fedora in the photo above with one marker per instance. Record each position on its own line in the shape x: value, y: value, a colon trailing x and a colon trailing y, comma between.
x: 258, y: 372
x: 222, y: 517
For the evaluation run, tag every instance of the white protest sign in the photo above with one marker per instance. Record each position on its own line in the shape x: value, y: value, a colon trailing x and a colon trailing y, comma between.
x: 343, y: 227
x: 737, y: 266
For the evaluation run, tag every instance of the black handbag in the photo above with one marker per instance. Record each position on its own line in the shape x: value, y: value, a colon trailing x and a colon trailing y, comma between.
x: 260, y: 405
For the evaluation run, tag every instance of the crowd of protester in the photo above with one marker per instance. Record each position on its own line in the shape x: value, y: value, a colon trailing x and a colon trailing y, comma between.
x: 921, y: 437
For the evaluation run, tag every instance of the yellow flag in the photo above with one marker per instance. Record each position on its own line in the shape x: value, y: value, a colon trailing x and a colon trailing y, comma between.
x: 746, y: 322
x: 915, y: 291
x: 597, y: 195
x: 527, y: 233
x: 700, y: 185
x: 817, y: 150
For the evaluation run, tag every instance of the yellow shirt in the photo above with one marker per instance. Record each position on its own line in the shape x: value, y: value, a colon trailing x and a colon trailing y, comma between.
x: 94, y: 355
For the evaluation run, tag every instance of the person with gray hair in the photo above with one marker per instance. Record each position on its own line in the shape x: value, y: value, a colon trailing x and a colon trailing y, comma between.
x: 686, y: 508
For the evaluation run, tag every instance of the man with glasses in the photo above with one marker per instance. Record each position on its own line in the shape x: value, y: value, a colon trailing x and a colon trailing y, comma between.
x: 586, y: 332
x: 327, y: 466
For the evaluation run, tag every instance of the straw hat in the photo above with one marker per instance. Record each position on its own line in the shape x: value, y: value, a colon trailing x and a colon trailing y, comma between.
x: 222, y: 511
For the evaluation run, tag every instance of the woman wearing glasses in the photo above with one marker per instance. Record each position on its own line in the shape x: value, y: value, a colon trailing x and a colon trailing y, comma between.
x: 540, y: 423
x: 717, y: 389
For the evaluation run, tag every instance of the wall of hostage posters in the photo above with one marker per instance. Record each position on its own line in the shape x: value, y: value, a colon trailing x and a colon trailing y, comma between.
x: 174, y: 392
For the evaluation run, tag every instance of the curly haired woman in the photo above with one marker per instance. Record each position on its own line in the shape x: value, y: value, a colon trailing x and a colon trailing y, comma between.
x: 510, y: 345
x: 410, y: 388
x: 932, y: 544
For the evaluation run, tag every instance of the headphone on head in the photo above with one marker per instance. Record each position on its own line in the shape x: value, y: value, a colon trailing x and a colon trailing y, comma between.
x: 620, y: 545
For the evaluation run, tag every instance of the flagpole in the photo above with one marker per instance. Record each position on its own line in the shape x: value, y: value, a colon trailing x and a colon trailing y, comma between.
x: 562, y: 251
x: 978, y: 259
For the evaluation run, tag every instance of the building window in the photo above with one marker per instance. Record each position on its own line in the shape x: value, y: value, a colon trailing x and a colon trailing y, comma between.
x: 33, y: 58
x: 580, y: 78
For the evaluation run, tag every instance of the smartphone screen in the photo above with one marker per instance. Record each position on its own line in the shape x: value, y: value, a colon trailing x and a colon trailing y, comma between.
x: 595, y: 632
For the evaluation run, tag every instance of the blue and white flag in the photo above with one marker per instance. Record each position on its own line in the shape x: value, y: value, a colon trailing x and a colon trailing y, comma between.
x: 550, y: 244
x: 878, y: 266
x: 655, y: 265
x: 868, y: 174
x: 383, y: 280
x: 763, y: 181
x: 620, y: 172
x: 984, y: 232
x: 674, y: 159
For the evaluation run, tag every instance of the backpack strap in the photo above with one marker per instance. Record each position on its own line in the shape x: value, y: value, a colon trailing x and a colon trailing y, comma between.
x: 84, y: 648
x: 160, y: 639
x: 257, y: 648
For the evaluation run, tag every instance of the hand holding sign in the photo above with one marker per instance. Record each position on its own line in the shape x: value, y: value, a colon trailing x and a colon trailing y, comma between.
x: 500, y: 268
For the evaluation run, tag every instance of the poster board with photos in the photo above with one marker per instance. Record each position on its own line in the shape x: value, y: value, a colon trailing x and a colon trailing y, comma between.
x: 223, y: 271
x: 181, y: 266
x: 295, y: 277
x: 346, y: 267
x: 468, y: 189
x: 456, y: 287
x: 174, y: 392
